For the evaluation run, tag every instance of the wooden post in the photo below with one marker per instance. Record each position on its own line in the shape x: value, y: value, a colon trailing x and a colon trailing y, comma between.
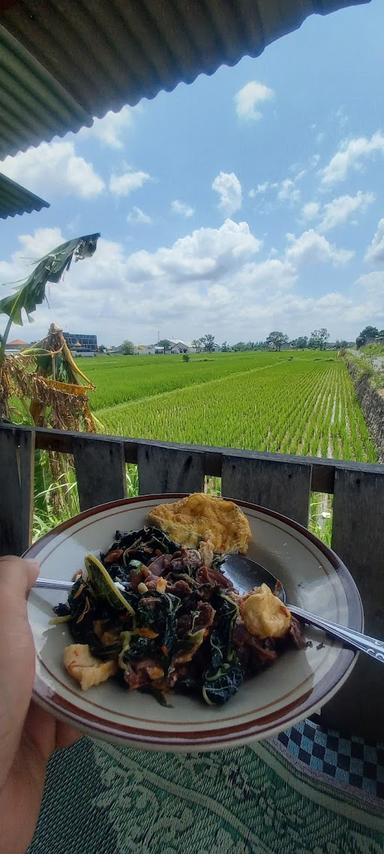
x: 167, y: 470
x: 358, y: 538
x: 100, y: 471
x: 281, y: 486
x: 16, y: 489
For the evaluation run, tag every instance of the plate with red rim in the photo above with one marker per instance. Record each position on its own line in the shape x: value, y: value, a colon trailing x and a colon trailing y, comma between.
x: 294, y: 687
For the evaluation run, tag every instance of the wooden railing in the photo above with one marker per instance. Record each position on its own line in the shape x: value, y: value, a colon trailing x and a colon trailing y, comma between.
x: 283, y: 483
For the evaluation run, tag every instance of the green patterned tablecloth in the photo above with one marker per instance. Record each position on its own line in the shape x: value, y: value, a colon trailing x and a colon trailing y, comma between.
x: 103, y: 799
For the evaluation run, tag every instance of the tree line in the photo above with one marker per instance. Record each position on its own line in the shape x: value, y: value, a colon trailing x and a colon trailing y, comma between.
x: 276, y: 340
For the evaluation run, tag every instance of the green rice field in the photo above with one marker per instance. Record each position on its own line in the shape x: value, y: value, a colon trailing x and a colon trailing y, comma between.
x: 288, y: 402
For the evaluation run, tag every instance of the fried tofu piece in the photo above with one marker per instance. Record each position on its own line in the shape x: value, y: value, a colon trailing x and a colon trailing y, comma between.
x: 264, y: 614
x: 203, y: 518
x: 85, y: 668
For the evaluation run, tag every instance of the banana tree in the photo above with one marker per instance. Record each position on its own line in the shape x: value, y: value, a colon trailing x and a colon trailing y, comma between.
x: 31, y: 293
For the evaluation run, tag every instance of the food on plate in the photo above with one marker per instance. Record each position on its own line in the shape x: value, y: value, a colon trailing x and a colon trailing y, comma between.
x: 161, y: 617
x: 85, y: 668
x: 202, y: 518
x: 264, y: 614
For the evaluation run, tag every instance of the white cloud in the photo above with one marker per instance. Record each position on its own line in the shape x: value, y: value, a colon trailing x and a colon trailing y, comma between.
x: 249, y: 98
x: 288, y: 191
x: 373, y: 283
x: 138, y: 216
x: 314, y: 248
x: 375, y: 251
x: 259, y: 190
x: 182, y: 208
x: 111, y: 129
x: 127, y: 182
x: 340, y: 209
x: 351, y: 155
x: 310, y: 211
x: 54, y: 168
x: 211, y: 279
x: 228, y: 187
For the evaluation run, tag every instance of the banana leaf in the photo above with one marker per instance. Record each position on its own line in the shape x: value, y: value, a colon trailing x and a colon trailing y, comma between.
x: 49, y: 269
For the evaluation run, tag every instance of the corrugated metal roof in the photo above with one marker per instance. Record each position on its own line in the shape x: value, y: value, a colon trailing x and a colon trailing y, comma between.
x: 15, y: 199
x: 64, y: 62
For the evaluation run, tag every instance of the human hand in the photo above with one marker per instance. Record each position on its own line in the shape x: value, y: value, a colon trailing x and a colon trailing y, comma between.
x: 28, y: 734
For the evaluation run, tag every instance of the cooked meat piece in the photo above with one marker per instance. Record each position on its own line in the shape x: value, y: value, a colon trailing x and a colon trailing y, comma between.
x: 142, y: 673
x: 254, y: 652
x: 85, y: 668
x: 157, y: 566
x: 184, y: 625
x: 205, y: 618
x: 295, y: 634
x: 180, y: 588
x: 113, y: 556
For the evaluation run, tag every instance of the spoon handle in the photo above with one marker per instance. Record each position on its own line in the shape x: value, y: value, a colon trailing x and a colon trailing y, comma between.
x: 53, y: 584
x: 372, y: 646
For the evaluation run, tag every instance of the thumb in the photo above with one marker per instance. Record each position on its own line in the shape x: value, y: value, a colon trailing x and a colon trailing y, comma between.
x: 18, y: 574
x: 17, y: 654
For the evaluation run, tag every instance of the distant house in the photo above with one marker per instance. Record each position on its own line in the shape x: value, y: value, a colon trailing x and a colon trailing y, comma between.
x: 15, y: 346
x: 175, y: 346
x: 80, y: 344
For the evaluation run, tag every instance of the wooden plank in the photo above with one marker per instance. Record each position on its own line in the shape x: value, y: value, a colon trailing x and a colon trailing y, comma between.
x: 16, y: 493
x: 358, y: 538
x: 281, y: 486
x: 323, y: 470
x: 168, y: 470
x: 100, y: 471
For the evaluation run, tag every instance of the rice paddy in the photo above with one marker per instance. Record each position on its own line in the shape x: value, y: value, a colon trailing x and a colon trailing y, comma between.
x: 288, y: 402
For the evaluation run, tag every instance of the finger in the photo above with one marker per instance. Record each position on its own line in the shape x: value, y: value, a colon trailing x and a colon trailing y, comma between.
x: 66, y: 735
x: 47, y: 734
x: 18, y: 574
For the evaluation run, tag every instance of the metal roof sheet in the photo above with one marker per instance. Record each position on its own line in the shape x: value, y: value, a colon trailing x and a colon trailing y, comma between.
x: 15, y: 199
x: 64, y: 62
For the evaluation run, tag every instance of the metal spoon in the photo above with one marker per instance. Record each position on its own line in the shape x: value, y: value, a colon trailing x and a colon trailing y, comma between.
x: 53, y: 584
x: 246, y: 574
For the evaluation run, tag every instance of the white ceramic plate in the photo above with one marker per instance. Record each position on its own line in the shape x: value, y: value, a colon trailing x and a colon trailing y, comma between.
x: 295, y: 686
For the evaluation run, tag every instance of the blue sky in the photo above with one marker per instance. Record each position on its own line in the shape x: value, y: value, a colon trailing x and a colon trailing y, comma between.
x: 249, y: 201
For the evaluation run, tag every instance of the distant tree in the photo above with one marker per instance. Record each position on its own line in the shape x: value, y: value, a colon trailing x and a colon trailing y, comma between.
x: 341, y: 345
x: 185, y: 357
x: 239, y: 347
x: 196, y: 343
x: 127, y: 348
x: 165, y: 344
x: 299, y: 343
x: 276, y: 340
x: 225, y: 348
x: 318, y: 339
x: 366, y: 335
x: 208, y: 342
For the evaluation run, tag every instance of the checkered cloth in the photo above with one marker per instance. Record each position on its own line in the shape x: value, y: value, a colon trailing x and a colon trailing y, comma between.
x: 352, y: 761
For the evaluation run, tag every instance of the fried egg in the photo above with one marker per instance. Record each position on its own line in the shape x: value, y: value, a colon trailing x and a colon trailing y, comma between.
x: 203, y: 518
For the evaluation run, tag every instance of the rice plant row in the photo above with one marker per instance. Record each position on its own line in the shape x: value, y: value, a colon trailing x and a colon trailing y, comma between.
x: 120, y: 379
